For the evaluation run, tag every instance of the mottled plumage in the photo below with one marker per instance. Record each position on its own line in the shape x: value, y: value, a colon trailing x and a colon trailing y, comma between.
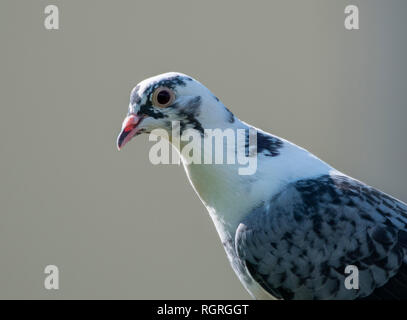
x: 298, y: 243
x: 291, y: 228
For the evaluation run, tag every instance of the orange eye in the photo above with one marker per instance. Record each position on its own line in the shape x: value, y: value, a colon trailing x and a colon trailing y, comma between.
x: 163, y: 97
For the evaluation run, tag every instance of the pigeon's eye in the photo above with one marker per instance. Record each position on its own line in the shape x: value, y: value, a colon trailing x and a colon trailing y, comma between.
x: 163, y: 97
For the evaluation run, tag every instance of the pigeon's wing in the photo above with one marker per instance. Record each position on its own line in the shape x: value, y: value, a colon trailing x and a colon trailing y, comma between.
x: 299, y: 244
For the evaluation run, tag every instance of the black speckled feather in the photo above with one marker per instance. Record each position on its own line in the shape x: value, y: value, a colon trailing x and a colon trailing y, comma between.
x: 298, y: 244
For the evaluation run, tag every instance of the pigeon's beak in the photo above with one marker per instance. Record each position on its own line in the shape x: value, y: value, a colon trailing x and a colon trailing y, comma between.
x: 129, y: 129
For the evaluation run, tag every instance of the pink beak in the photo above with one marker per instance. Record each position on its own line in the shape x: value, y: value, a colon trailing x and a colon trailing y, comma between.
x: 129, y: 130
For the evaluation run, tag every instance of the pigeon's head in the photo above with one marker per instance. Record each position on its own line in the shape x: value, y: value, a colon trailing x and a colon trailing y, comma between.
x: 161, y: 101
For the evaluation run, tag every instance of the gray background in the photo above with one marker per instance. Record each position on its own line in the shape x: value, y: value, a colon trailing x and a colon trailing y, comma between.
x: 119, y: 227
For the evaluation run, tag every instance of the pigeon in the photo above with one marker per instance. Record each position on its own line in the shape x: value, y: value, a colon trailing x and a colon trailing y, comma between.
x: 296, y: 228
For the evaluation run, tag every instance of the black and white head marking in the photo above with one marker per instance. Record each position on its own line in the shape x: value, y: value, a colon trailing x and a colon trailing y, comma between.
x: 231, y: 116
x: 267, y: 145
x: 195, y: 107
x: 189, y: 114
x: 144, y: 100
x: 188, y: 108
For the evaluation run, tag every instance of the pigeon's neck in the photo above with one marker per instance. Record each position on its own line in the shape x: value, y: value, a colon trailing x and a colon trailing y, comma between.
x: 230, y: 196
